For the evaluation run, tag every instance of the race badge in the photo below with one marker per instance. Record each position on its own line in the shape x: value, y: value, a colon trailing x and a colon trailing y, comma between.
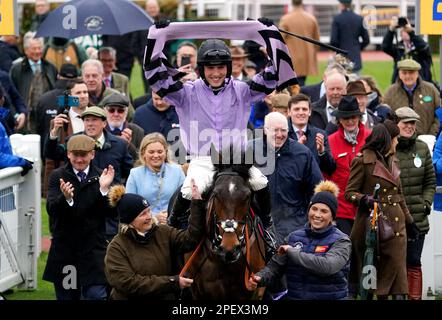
x: 321, y: 249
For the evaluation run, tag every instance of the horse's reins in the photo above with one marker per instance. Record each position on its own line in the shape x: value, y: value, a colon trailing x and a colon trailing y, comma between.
x: 198, y: 248
x: 248, y: 272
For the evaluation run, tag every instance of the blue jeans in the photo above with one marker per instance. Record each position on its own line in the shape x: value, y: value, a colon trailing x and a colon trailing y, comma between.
x: 92, y: 292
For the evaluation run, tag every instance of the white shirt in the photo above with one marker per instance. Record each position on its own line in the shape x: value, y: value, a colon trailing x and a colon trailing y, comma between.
x: 328, y: 110
x: 101, y: 140
x: 85, y: 171
x: 76, y: 121
x: 322, y: 90
x: 304, y: 129
x: 71, y: 201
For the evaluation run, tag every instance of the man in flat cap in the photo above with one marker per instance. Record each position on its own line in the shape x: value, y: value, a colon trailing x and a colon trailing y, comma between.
x: 109, y: 150
x: 421, y: 96
x: 116, y: 107
x: 77, y: 203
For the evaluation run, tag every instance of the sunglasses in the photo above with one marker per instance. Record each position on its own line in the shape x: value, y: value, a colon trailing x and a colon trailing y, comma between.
x: 113, y: 110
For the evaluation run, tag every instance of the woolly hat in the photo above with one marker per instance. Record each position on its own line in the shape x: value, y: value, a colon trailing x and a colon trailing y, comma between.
x: 326, y: 192
x: 128, y: 205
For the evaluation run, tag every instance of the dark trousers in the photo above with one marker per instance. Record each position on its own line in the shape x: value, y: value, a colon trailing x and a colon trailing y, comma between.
x: 414, y: 251
x: 93, y: 292
x: 345, y: 225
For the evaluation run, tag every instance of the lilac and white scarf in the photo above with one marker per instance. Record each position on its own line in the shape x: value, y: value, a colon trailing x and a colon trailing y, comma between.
x: 268, y: 37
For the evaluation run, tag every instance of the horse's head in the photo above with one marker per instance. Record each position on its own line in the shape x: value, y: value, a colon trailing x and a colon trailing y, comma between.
x: 228, y: 209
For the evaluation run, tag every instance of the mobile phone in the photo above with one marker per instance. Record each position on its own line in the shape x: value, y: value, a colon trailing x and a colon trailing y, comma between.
x: 67, y: 101
x: 185, y: 60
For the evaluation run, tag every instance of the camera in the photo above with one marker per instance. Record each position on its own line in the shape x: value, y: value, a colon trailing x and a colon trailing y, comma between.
x: 402, y: 22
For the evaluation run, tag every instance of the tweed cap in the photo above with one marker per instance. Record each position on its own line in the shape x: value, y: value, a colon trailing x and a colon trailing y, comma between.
x: 280, y: 100
x: 94, y: 111
x: 406, y: 114
x: 408, y: 64
x: 81, y: 142
x: 116, y: 99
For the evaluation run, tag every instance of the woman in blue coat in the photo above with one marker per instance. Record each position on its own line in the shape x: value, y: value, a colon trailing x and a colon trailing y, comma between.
x: 156, y: 179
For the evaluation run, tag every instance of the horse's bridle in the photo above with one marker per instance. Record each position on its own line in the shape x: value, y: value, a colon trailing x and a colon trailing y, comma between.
x: 228, y: 225
x: 220, y: 227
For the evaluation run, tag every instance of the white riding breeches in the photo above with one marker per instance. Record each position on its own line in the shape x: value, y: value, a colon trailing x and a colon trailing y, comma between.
x: 201, y: 170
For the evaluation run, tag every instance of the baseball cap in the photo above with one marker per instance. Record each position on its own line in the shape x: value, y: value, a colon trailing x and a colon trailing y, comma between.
x: 69, y: 71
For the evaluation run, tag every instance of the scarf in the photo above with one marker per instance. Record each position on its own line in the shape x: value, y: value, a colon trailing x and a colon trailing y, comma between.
x: 351, y: 137
x: 268, y: 37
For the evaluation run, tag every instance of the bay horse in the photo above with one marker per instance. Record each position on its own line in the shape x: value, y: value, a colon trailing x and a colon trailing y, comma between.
x: 233, y: 247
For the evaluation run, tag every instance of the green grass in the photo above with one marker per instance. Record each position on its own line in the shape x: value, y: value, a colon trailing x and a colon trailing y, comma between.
x: 136, y: 82
x: 380, y: 70
x: 45, y: 290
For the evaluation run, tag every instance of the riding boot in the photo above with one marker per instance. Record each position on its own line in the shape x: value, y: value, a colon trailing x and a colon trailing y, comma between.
x: 262, y: 198
x: 179, y: 214
x: 414, y: 275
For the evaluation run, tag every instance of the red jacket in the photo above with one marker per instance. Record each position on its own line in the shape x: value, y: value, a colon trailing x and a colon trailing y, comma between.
x: 344, y: 153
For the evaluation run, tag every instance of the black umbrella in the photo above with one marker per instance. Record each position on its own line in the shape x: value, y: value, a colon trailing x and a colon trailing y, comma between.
x: 86, y: 17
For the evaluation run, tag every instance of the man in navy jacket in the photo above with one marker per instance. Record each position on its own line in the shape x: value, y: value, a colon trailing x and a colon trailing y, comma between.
x: 291, y: 171
x: 347, y: 27
x: 313, y: 138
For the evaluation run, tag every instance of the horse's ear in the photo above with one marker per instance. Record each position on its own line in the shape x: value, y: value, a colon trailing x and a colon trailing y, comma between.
x: 215, y: 155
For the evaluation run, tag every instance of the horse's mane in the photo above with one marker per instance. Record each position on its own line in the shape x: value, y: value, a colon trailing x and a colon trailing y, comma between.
x: 242, y: 169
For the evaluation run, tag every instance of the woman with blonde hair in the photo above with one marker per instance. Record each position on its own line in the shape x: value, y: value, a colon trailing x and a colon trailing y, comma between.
x: 156, y: 178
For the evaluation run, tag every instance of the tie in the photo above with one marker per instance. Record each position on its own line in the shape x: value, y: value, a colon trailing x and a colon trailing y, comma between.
x: 107, y: 82
x: 116, y: 132
x: 97, y: 144
x: 81, y: 175
x: 300, y: 134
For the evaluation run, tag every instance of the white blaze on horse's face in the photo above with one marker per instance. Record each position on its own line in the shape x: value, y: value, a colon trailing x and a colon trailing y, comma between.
x: 231, y: 187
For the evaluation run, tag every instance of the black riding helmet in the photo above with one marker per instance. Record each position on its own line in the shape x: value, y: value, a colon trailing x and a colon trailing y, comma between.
x: 214, y: 52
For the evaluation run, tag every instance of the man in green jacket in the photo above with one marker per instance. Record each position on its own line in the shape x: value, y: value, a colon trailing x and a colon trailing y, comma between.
x: 418, y: 186
x: 421, y: 96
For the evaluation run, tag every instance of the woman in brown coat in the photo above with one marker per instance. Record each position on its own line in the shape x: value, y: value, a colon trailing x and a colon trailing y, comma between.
x: 376, y: 164
x: 139, y: 262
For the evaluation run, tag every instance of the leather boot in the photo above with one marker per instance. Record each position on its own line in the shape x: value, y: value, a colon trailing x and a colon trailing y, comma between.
x: 178, y: 211
x: 262, y: 200
x: 414, y: 275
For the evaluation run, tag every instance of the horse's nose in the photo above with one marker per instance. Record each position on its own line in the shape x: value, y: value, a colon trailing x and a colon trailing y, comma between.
x: 229, y: 241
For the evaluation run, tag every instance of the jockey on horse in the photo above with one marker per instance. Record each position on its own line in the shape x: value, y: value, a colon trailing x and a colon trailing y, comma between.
x: 216, y: 103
